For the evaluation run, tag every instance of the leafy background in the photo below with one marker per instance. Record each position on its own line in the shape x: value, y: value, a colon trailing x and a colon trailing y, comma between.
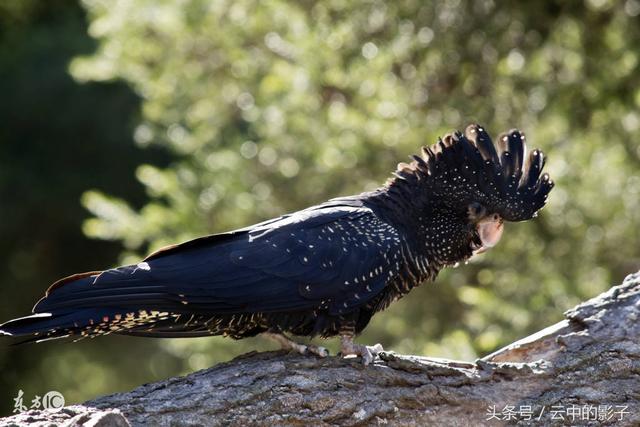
x: 128, y: 125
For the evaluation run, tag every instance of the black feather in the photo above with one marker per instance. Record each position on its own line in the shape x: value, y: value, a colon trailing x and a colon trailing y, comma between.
x: 315, y: 271
x: 325, y: 255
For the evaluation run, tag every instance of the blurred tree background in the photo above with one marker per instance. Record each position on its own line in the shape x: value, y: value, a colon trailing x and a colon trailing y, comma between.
x: 243, y: 110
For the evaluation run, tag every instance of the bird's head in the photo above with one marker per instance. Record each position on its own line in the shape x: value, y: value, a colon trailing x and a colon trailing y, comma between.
x: 466, y: 188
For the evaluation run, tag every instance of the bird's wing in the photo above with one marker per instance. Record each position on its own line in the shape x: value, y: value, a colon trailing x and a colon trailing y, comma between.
x: 333, y: 257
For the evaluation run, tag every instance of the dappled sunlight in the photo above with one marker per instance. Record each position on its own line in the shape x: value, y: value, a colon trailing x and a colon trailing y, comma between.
x: 269, y: 107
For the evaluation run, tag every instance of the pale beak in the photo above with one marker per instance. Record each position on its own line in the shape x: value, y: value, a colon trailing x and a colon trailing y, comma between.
x: 490, y: 231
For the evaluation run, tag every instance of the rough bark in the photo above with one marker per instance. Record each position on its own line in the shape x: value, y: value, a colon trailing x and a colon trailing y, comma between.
x: 584, y: 367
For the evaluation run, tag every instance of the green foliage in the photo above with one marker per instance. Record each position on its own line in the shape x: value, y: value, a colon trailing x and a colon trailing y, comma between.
x: 270, y: 106
x: 57, y: 139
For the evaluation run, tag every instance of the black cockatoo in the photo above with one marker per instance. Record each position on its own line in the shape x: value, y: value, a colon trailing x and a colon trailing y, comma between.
x: 325, y: 270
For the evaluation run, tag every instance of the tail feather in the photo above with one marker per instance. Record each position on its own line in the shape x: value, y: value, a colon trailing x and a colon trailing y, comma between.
x: 42, y: 326
x: 96, y: 303
x: 88, y: 323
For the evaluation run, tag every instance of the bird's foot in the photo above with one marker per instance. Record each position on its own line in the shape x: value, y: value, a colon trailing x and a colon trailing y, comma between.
x: 367, y: 352
x: 290, y: 345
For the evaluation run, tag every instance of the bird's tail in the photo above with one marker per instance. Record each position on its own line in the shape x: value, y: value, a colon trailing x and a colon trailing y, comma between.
x: 93, y: 322
x: 62, y: 324
x: 95, y: 303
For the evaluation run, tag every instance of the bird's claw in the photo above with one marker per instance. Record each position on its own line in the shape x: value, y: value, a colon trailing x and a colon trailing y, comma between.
x: 306, y: 350
x: 316, y: 350
x: 288, y: 344
x: 367, y: 352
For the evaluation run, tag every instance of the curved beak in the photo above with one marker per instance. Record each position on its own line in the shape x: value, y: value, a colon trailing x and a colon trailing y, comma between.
x: 490, y: 232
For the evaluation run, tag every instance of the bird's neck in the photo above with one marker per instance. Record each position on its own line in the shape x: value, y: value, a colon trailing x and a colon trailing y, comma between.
x: 409, y: 216
x: 431, y: 230
x: 399, y: 209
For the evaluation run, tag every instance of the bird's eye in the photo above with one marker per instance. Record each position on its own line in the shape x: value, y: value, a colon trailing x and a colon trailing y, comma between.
x: 476, y: 210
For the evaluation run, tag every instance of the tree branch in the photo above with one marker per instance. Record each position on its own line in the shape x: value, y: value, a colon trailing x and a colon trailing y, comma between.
x: 584, y: 367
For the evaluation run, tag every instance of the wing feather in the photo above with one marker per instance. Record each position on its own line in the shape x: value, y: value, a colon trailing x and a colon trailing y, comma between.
x: 319, y: 256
